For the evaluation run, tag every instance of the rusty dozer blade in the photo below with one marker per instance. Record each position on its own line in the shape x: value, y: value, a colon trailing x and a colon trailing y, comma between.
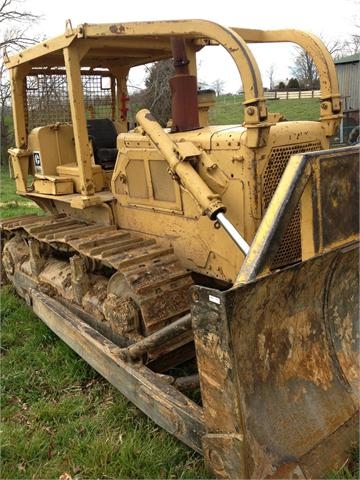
x: 278, y: 353
x: 277, y: 358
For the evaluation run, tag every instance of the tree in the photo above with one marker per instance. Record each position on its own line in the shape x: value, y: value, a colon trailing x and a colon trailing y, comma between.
x: 218, y: 86
x: 304, y: 69
x: 5, y: 130
x: 352, y: 45
x: 270, y: 73
x: 15, y: 23
x: 293, y: 83
x: 158, y: 93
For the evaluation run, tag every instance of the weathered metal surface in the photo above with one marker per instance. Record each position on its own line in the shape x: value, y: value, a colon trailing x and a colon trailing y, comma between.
x: 279, y: 358
x: 148, y: 274
x: 157, y: 398
x: 187, y: 383
x: 332, y: 222
x: 182, y: 84
x: 160, y: 337
x: 150, y: 291
x: 339, y: 186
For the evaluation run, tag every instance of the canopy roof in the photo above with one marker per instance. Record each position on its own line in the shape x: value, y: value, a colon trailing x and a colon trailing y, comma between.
x: 127, y: 44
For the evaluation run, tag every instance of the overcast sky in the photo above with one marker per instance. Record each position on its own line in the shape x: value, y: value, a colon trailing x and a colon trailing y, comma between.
x: 330, y: 20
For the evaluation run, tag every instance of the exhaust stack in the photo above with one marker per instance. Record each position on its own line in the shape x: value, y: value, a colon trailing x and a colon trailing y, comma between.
x: 185, y: 114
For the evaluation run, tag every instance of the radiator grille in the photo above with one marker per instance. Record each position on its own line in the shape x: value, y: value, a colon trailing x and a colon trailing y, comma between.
x: 290, y: 247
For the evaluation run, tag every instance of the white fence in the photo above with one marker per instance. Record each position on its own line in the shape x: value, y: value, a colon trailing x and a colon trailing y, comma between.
x: 291, y: 94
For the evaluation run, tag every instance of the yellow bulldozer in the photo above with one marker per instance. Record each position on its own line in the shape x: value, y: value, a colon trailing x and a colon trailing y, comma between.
x: 229, y: 250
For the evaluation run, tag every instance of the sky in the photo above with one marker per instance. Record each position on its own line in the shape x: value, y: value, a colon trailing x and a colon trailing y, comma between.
x: 330, y: 20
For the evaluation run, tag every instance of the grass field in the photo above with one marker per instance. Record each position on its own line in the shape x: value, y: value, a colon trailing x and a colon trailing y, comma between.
x: 10, y: 203
x: 59, y: 418
x: 229, y: 109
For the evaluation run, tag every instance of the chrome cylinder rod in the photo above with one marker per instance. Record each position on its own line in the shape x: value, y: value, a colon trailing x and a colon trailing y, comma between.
x: 234, y: 234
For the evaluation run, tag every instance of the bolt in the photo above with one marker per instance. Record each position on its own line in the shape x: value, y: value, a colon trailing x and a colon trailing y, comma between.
x: 250, y: 111
x: 217, y: 225
x: 195, y: 296
x: 212, y: 167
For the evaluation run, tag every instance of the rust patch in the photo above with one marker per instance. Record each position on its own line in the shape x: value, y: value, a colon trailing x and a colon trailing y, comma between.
x: 150, y: 117
x: 348, y: 356
x: 261, y: 461
x: 343, y: 323
x: 287, y: 376
x: 117, y: 29
x: 93, y: 299
x: 297, y: 350
x: 291, y: 470
x: 307, y: 357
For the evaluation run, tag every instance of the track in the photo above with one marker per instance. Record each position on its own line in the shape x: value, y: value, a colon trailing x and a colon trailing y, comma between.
x: 143, y: 289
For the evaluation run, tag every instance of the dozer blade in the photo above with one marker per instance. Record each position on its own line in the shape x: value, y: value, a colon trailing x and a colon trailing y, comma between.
x: 279, y: 369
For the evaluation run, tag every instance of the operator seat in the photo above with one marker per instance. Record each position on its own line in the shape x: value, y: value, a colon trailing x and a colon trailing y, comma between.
x: 102, y: 134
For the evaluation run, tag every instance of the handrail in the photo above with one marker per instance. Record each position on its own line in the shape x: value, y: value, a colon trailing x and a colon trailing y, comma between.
x: 310, y: 43
x: 330, y: 107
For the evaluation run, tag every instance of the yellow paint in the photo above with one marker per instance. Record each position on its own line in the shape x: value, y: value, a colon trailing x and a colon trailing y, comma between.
x: 164, y: 184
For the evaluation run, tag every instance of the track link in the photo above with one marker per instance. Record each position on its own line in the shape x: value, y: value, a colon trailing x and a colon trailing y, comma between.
x: 141, y: 268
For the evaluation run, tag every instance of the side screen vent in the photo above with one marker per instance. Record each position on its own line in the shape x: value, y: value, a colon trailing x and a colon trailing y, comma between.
x: 290, y: 248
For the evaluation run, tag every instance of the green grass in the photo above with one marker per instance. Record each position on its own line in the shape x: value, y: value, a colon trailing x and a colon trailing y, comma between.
x: 296, y: 109
x: 350, y: 470
x: 228, y: 109
x: 12, y: 204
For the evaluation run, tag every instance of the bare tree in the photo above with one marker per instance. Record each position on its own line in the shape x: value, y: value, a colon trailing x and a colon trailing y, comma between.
x: 158, y: 93
x: 218, y: 86
x: 352, y: 46
x: 15, y: 22
x: 270, y: 74
x: 304, y: 69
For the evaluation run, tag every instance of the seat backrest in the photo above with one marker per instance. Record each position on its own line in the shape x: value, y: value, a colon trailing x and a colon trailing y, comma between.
x: 102, y: 132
